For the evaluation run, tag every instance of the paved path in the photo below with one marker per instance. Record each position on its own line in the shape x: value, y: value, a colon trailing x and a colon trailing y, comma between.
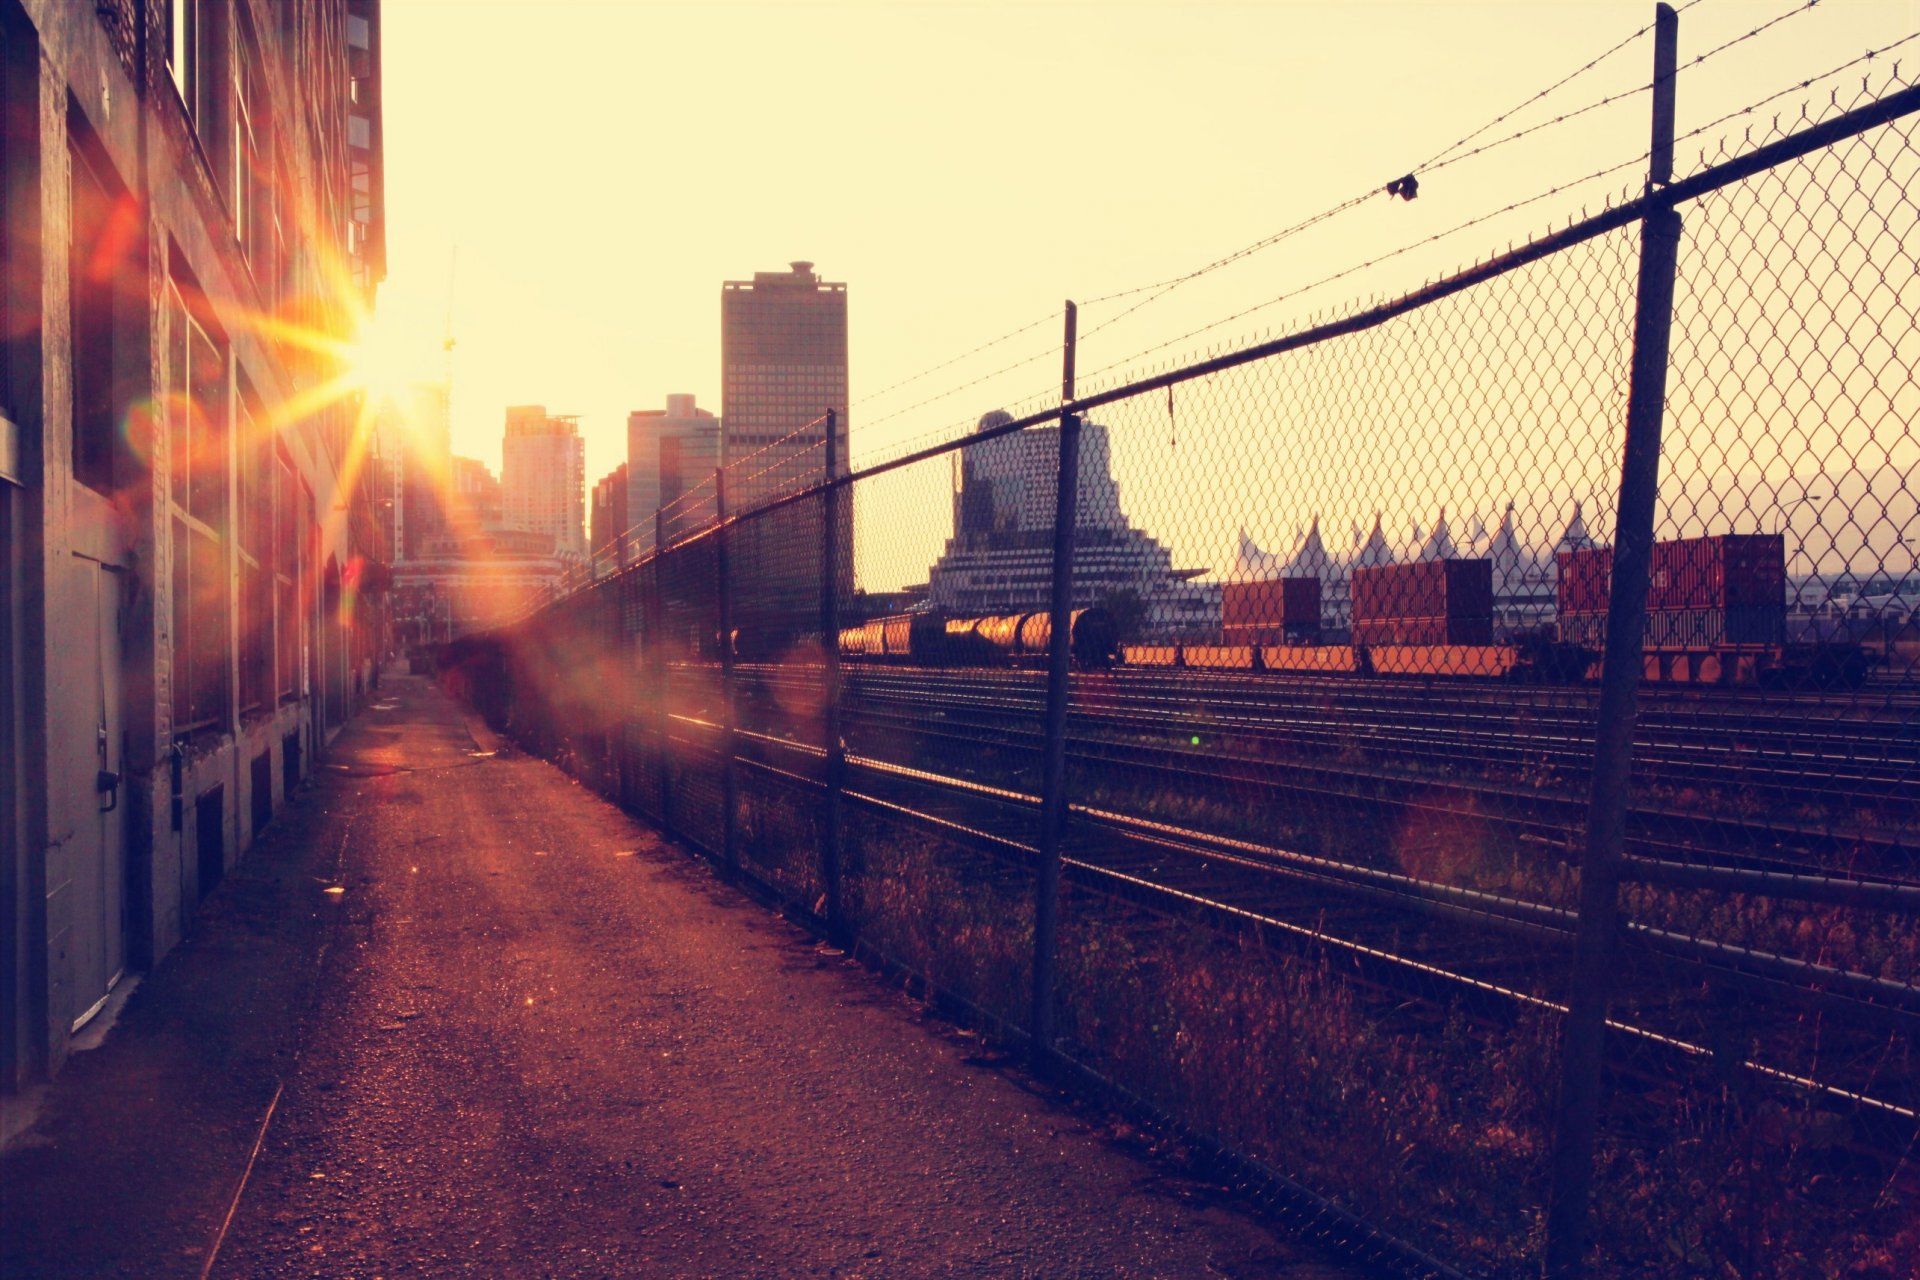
x: 529, y: 1040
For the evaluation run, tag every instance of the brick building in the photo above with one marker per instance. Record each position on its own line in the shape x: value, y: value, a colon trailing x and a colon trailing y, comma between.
x: 189, y: 557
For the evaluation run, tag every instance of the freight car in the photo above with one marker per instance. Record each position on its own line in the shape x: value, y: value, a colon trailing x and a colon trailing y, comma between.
x: 1716, y: 616
x: 939, y: 639
x: 1716, y: 607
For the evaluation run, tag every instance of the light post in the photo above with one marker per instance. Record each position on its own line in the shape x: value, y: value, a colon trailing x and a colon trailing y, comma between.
x: 1800, y: 605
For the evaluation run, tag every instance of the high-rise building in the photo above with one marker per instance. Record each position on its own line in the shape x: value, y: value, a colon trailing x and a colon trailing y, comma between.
x: 1000, y: 558
x: 607, y: 523
x: 783, y: 354
x: 415, y: 435
x: 671, y: 453
x: 544, y: 481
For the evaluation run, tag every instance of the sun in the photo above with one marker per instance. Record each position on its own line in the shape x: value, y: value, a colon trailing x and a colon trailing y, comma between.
x: 377, y: 361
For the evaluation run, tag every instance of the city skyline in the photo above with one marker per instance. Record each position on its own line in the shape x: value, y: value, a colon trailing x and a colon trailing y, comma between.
x: 942, y: 239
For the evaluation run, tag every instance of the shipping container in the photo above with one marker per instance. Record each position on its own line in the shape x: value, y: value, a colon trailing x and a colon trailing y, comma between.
x: 1727, y: 571
x: 1452, y: 590
x: 1585, y: 578
x: 1281, y: 604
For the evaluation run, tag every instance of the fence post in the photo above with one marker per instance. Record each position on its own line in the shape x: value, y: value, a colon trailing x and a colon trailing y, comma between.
x: 658, y: 659
x: 1583, y: 1054
x: 836, y: 755
x: 1053, y: 785
x: 729, y: 781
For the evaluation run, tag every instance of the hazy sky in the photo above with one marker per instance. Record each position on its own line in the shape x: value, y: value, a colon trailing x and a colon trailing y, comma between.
x: 603, y: 167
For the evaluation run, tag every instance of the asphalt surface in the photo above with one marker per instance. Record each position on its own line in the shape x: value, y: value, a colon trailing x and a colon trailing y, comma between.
x: 521, y: 1037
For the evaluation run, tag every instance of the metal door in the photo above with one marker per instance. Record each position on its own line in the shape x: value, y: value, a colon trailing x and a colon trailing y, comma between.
x: 96, y: 858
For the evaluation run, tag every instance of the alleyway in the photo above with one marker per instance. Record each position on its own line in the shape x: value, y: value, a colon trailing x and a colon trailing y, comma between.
x: 511, y: 1034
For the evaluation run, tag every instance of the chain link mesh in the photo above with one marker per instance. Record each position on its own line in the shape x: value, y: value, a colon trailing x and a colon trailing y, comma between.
x: 1336, y: 623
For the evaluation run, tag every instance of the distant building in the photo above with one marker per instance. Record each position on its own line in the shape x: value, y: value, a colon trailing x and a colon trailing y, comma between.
x: 544, y: 480
x: 671, y: 453
x: 783, y: 351
x: 607, y: 525
x: 414, y: 434
x: 783, y: 354
x: 469, y: 579
x: 1000, y: 558
x: 1523, y: 576
x: 476, y: 502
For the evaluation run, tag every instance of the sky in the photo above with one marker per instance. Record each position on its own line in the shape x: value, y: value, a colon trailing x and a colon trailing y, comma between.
x: 568, y: 184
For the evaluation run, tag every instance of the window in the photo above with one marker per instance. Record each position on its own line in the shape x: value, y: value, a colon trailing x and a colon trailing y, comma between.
x: 286, y: 579
x: 198, y: 408
x: 256, y: 216
x: 105, y: 226
x: 253, y: 529
x: 187, y: 41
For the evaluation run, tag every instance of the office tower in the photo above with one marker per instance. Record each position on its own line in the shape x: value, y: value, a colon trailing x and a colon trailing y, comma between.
x: 671, y: 456
x: 544, y: 480
x: 415, y: 434
x: 783, y: 345
x: 783, y: 352
x: 607, y: 525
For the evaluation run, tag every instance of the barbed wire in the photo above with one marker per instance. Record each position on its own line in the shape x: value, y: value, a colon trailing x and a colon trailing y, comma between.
x: 1051, y: 316
x: 1516, y: 205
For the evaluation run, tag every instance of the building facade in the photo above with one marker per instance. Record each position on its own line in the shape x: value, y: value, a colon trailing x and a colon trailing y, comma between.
x: 189, y: 554
x: 608, y: 541
x: 543, y: 483
x: 475, y: 501
x: 671, y: 457
x: 1000, y: 558
x: 415, y: 432
x: 783, y: 366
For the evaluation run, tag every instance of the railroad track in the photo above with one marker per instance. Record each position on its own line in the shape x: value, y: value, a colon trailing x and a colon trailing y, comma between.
x: 1497, y: 954
x: 1850, y: 760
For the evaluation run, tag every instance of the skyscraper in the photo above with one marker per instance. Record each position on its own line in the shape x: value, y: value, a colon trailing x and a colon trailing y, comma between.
x: 544, y: 481
x: 783, y: 352
x: 414, y: 430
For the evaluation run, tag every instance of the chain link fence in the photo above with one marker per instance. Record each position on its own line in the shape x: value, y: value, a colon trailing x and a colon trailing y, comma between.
x: 1452, y: 766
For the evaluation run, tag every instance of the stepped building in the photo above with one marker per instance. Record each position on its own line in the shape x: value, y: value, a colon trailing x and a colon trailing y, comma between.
x: 1000, y: 558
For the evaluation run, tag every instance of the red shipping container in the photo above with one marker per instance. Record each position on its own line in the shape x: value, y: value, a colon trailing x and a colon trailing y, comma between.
x: 1281, y: 602
x: 1586, y: 576
x: 1728, y: 571
x: 1718, y: 573
x: 1457, y: 590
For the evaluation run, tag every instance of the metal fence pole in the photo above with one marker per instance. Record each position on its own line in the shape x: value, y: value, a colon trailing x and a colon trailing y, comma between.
x: 836, y: 755
x: 729, y: 780
x: 657, y: 637
x: 1053, y: 786
x: 1583, y: 1057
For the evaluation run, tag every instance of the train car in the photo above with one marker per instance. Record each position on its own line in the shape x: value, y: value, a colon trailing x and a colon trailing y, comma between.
x: 935, y: 639
x: 1424, y: 603
x: 1716, y: 607
x: 1716, y: 615
x: 1276, y: 611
